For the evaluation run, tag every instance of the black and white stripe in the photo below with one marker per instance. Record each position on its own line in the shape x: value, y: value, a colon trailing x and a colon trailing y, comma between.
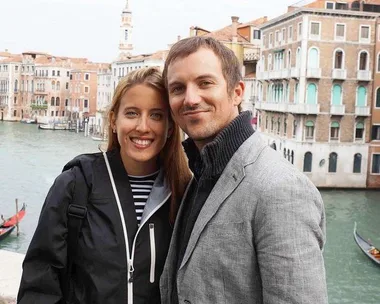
x: 141, y: 187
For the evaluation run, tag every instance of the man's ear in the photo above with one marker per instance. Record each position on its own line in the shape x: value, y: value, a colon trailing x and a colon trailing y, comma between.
x: 238, y: 93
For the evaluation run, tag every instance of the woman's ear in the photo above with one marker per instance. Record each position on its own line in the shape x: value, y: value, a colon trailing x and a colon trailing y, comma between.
x: 113, y: 121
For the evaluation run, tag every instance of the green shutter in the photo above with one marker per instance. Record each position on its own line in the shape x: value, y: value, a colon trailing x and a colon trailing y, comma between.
x: 359, y: 125
x: 362, y: 92
x: 335, y: 124
x: 309, y: 124
x: 337, y: 95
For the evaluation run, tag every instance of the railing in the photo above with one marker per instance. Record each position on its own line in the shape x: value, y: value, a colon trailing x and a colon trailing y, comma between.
x: 339, y: 74
x: 337, y: 109
x: 3, y: 105
x: 303, y: 108
x: 363, y: 75
x: 362, y: 111
x: 275, y: 75
x: 262, y: 75
x: 272, y: 106
x: 295, y: 72
x: 36, y: 106
x: 313, y: 73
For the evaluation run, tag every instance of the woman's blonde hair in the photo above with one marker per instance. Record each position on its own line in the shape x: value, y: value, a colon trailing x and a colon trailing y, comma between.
x: 172, y: 157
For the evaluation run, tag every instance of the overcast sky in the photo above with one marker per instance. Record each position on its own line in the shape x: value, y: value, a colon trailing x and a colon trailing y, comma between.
x: 90, y: 28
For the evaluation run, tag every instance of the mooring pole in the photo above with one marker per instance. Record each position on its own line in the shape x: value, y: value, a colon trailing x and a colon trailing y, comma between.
x: 18, y: 231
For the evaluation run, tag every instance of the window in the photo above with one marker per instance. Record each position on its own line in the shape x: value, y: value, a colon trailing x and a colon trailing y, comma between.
x: 85, y: 104
x: 16, y: 68
x: 307, y: 162
x: 298, y: 58
x: 63, y: 113
x: 313, y: 59
x: 359, y: 131
x: 283, y: 35
x: 58, y: 73
x: 341, y: 5
x: 285, y: 126
x: 378, y: 63
x: 86, y: 76
x: 340, y: 31
x: 294, y: 128
x: 361, y: 97
x: 292, y: 157
x: 272, y: 124
x: 333, y: 160
x: 278, y: 125
x: 355, y: 6
x: 126, y: 35
x: 86, y: 89
x: 290, y: 33
x: 277, y: 36
x: 336, y: 95
x: 363, y: 61
x: 68, y: 74
x: 334, y: 130
x: 375, y: 133
x: 71, y: 76
x: 289, y: 60
x: 377, y: 105
x: 309, y: 134
x: 256, y: 34
x: 311, y: 97
x: 52, y: 102
x: 270, y: 39
x: 58, y: 85
x: 53, y: 73
x: 300, y: 30
x: 66, y: 102
x: 364, y: 32
x: 338, y: 59
x: 67, y: 85
x: 57, y: 101
x: 375, y: 163
x: 330, y: 5
x: 266, y: 123
x: 315, y: 29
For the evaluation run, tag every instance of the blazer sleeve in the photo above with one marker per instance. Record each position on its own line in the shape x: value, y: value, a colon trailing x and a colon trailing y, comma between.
x: 289, y: 239
x: 45, y: 260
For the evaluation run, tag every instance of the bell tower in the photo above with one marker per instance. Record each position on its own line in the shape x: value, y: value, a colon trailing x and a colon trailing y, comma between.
x: 126, y: 28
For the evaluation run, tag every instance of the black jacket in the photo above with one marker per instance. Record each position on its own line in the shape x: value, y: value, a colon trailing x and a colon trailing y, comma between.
x: 99, y: 272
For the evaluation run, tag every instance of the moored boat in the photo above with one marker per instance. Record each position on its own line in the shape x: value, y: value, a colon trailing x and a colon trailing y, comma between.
x: 59, y: 126
x: 4, y: 232
x: 369, y: 250
x: 14, y: 219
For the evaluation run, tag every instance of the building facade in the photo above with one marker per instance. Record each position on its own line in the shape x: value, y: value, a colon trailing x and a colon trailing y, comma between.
x: 317, y: 92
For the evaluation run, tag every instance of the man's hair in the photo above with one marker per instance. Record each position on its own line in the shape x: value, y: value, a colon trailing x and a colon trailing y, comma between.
x: 231, y: 68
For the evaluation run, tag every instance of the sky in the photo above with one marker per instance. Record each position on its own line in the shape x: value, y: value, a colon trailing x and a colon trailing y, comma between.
x: 90, y: 28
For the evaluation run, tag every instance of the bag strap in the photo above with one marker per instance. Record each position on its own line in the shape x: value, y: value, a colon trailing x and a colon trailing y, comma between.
x: 76, y: 212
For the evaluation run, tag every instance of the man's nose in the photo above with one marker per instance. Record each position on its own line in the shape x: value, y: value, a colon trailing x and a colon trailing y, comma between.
x: 192, y: 96
x: 142, y: 124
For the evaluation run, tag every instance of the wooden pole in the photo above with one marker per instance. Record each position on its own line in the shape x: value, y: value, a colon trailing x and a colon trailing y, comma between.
x: 18, y: 231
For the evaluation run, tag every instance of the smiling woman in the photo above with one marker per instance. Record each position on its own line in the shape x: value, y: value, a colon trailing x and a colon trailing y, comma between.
x: 128, y: 198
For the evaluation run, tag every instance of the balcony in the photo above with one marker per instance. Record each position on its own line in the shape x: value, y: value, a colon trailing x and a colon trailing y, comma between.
x: 272, y: 106
x: 3, y: 105
x: 314, y: 73
x: 295, y: 72
x: 303, y: 108
x: 252, y: 54
x: 285, y: 73
x: 362, y: 111
x: 364, y: 75
x: 275, y: 74
x: 263, y: 75
x: 337, y: 109
x: 39, y: 106
x: 340, y: 74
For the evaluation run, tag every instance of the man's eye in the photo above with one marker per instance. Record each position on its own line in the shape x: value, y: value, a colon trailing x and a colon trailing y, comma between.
x: 205, y: 83
x: 176, y: 90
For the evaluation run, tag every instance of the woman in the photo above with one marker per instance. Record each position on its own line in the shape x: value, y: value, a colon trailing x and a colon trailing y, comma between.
x: 132, y: 193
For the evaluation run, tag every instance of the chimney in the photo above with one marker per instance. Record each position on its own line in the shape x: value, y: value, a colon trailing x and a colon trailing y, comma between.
x: 193, y: 32
x: 234, y: 28
x: 178, y: 38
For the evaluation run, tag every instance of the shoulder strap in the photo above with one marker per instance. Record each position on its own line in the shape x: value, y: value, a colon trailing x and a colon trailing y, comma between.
x: 76, y: 212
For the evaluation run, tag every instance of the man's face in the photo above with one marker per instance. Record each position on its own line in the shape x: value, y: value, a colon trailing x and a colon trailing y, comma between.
x: 199, y: 98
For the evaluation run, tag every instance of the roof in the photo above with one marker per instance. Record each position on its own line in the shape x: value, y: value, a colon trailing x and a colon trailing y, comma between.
x: 255, y: 22
x: 159, y: 55
x: 225, y: 34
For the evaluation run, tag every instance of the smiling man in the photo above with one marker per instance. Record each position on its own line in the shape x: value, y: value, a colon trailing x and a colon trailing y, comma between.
x: 251, y: 228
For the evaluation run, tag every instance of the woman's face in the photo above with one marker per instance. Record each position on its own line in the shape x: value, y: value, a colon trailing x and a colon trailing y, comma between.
x: 142, y: 127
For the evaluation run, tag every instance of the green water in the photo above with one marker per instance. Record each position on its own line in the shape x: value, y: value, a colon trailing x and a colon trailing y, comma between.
x: 30, y: 159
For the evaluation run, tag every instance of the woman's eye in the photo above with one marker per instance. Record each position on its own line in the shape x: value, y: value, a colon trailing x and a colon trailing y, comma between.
x: 130, y: 114
x: 156, y: 116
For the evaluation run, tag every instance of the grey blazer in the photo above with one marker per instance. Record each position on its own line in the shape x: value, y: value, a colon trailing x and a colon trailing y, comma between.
x: 258, y: 238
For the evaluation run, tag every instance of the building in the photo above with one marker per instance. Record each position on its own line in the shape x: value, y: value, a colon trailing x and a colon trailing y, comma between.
x: 319, y: 97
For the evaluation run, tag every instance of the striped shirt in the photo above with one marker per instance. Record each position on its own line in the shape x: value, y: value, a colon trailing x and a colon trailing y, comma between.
x: 141, y: 187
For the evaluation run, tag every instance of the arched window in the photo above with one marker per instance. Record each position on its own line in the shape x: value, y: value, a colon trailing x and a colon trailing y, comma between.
x: 57, y: 101
x: 357, y: 163
x: 285, y: 126
x: 355, y: 6
x: 289, y: 61
x: 307, y: 162
x: 53, y: 85
x: 377, y: 98
x: 272, y: 124
x: 58, y: 85
x: 313, y: 59
x: 16, y: 85
x: 378, y: 63
x: 334, y: 130
x: 309, y: 133
x: 294, y: 128
x: 292, y: 157
x: 338, y: 60
x: 337, y: 95
x: 266, y: 123
x: 363, y: 61
x: 311, y: 97
x: 359, y: 131
x: 298, y: 58
x: 269, y: 62
x: 278, y: 125
x: 361, y: 96
x: 296, y: 88
x: 333, y: 160
x: 52, y: 101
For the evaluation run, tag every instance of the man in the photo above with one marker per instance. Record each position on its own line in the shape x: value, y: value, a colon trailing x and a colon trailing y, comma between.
x: 251, y: 228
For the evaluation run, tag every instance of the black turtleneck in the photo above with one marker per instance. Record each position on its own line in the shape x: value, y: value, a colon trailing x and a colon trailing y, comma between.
x: 207, y: 166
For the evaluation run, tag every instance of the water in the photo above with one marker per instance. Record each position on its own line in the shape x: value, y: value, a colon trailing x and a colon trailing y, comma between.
x: 30, y: 159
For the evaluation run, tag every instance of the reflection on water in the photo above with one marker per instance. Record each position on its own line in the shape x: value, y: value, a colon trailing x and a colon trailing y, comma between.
x: 30, y: 160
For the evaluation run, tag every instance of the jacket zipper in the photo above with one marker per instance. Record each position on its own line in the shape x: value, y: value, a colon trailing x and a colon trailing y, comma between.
x: 152, y: 252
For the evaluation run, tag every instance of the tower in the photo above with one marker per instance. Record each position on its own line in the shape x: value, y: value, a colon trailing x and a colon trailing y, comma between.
x: 126, y: 28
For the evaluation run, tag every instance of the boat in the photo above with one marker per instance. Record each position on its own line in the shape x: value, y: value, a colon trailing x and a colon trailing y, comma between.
x: 98, y: 138
x: 370, y: 251
x: 8, y: 225
x: 52, y: 126
x: 28, y: 121
x: 13, y: 219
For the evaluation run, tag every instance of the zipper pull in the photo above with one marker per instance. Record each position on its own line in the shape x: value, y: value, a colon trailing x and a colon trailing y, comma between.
x: 130, y: 270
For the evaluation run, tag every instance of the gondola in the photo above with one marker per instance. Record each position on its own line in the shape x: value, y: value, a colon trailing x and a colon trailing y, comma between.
x: 13, y: 219
x: 4, y: 232
x: 370, y: 251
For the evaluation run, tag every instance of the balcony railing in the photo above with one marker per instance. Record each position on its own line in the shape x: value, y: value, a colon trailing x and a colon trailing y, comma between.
x: 303, y: 108
x: 313, y: 73
x: 340, y: 74
x: 295, y: 72
x: 3, y: 105
x: 337, y: 109
x: 364, y: 75
x: 272, y: 106
x: 264, y: 75
x: 285, y: 73
x: 39, y: 106
x: 362, y: 111
x: 275, y: 75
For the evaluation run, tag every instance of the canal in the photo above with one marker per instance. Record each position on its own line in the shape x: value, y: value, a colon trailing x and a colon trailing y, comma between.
x: 30, y: 159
